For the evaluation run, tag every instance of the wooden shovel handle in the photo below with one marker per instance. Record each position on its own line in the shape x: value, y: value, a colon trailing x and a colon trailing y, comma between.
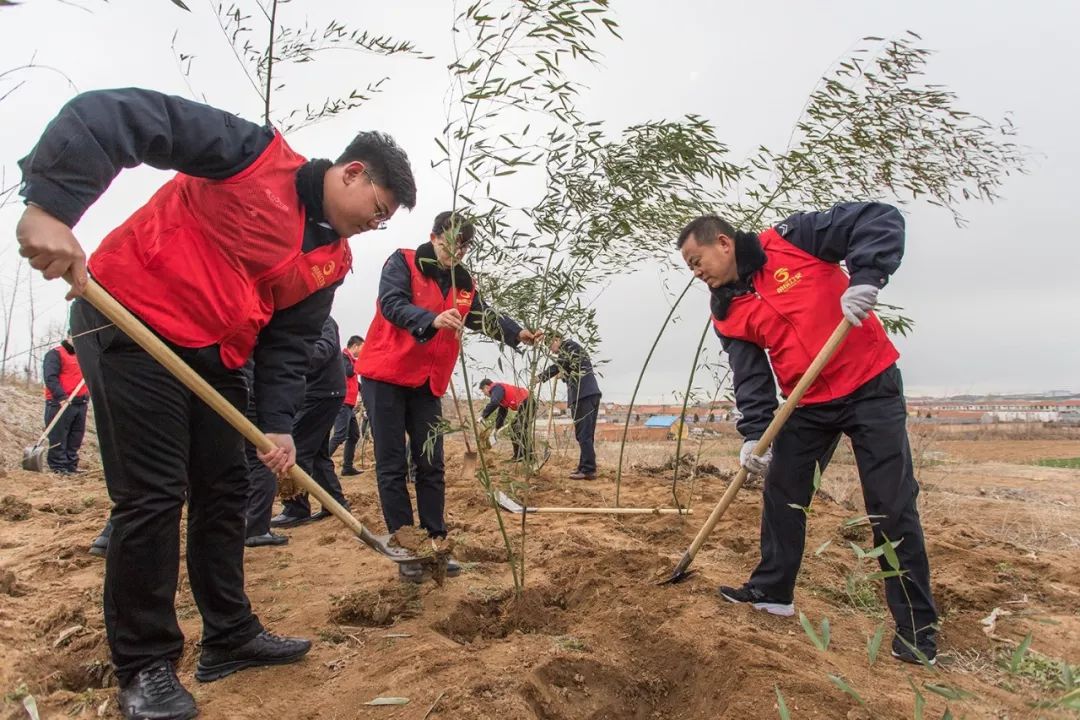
x: 63, y: 407
x: 137, y: 331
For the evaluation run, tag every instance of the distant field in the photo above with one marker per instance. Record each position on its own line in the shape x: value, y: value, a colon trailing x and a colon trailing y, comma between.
x: 1073, y: 463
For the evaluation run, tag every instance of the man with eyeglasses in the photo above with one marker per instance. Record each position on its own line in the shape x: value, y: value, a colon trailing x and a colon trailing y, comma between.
x: 236, y: 257
x: 426, y: 300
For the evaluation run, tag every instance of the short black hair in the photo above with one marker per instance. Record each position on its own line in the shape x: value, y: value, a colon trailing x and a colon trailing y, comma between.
x: 705, y: 229
x: 444, y: 220
x: 387, y: 164
x: 354, y: 340
x: 485, y: 382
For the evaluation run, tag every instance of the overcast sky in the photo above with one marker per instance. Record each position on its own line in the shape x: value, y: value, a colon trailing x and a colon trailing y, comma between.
x: 994, y: 303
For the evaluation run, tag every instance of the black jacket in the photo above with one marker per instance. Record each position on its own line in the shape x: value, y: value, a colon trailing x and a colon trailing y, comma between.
x: 868, y: 237
x: 577, y: 372
x: 51, y: 365
x: 99, y: 133
x: 395, y: 299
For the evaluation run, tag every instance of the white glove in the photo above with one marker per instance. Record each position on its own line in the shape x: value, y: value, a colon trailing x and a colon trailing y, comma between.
x: 754, y: 465
x: 857, y: 302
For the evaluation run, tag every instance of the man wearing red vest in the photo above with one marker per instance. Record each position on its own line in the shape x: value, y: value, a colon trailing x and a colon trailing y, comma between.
x: 426, y: 299
x: 60, y: 369
x: 237, y: 256
x: 346, y: 429
x: 784, y: 291
x: 504, y: 397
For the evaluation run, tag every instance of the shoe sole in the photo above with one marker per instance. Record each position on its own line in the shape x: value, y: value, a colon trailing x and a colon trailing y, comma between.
x: 779, y: 609
x: 418, y: 579
x: 216, y: 672
x: 98, y: 552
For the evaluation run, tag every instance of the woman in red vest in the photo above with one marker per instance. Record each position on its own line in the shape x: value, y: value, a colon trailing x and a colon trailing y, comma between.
x: 426, y: 299
x: 61, y: 372
x: 784, y: 291
x: 238, y: 255
x: 504, y: 397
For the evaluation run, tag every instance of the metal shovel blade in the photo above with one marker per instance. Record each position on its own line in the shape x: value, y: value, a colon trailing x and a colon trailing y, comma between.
x: 507, y: 503
x: 381, y: 544
x: 33, y: 458
x: 680, y: 572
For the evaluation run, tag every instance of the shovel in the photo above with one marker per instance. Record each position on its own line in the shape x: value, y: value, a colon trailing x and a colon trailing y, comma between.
x: 33, y: 458
x: 834, y: 341
x: 468, y: 467
x: 133, y: 327
x: 507, y: 503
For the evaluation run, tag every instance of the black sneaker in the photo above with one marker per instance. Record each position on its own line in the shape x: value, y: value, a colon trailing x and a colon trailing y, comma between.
x: 155, y: 693
x: 759, y: 600
x: 263, y: 649
x: 347, y: 472
x: 921, y: 652
x: 284, y: 520
x: 100, y: 546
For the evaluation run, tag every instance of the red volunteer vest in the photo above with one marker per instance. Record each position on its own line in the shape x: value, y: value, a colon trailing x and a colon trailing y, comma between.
x: 513, y: 395
x: 208, y: 262
x: 70, y: 374
x: 793, y: 311
x: 352, y: 384
x: 391, y: 354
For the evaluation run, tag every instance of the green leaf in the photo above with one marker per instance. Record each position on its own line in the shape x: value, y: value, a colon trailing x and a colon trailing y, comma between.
x: 947, y: 715
x: 388, y: 701
x: 180, y: 4
x: 808, y: 628
x: 826, y: 632
x: 882, y: 574
x: 890, y: 553
x: 840, y: 683
x: 1019, y: 654
x: 873, y: 643
x: 920, y: 701
x: 861, y: 519
x: 817, y: 477
x: 821, y: 547
x: 781, y: 705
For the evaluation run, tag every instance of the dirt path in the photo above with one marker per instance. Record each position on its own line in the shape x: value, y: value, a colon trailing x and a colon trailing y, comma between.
x: 591, y: 636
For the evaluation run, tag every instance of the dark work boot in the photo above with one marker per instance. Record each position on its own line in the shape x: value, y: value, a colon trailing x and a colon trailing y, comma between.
x: 100, y: 546
x: 263, y: 649
x: 155, y: 693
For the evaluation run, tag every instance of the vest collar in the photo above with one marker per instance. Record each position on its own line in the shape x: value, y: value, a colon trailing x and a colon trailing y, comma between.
x: 427, y: 262
x: 309, y: 186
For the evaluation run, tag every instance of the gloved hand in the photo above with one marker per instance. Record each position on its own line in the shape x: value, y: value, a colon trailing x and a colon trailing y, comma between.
x: 754, y: 465
x: 857, y: 302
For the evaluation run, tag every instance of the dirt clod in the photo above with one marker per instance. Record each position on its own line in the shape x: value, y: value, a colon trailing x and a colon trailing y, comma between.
x: 380, y: 607
x: 14, y: 509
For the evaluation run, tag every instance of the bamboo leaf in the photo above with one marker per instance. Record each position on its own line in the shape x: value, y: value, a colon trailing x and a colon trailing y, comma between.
x: 842, y: 684
x: 388, y: 701
x: 781, y: 705
x: 873, y: 643
x: 1018, y: 655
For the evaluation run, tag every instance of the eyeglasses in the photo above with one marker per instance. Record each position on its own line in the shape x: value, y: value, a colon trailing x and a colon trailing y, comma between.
x: 382, y: 214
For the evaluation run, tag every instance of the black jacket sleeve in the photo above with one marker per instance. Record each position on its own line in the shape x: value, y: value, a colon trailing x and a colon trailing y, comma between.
x: 50, y: 371
x: 497, y: 395
x: 99, y: 133
x: 348, y: 364
x: 395, y: 300
x: 550, y: 372
x: 325, y: 348
x: 868, y: 237
x: 283, y: 357
x: 755, y: 388
x: 482, y: 318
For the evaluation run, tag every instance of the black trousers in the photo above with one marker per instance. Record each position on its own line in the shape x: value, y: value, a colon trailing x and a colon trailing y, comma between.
x: 396, y: 412
x: 311, y: 433
x: 521, y: 428
x: 874, y: 417
x: 162, y: 446
x: 66, y: 437
x: 585, y: 411
x: 346, y: 430
x: 262, y: 485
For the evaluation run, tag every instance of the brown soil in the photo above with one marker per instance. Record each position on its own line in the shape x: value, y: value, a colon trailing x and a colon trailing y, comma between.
x: 591, y: 635
x: 11, y: 508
